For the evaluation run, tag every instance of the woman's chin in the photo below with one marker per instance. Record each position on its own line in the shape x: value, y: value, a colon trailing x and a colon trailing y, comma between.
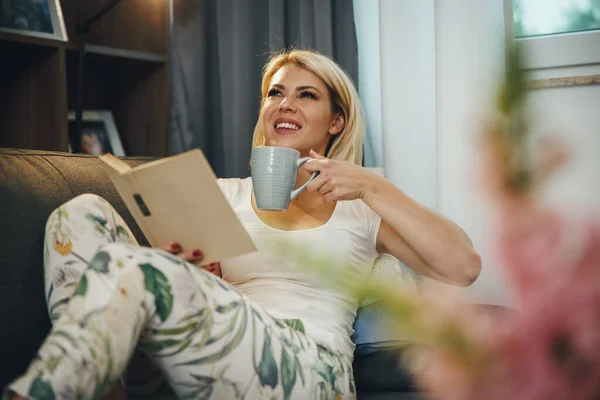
x: 283, y: 143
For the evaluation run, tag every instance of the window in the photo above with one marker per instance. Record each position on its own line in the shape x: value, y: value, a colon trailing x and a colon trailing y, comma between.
x: 555, y: 33
x: 544, y: 17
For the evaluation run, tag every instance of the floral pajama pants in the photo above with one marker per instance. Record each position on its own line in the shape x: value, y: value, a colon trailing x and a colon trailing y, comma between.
x: 107, y: 296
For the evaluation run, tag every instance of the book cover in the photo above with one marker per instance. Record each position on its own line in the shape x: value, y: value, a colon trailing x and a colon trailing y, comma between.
x: 177, y: 199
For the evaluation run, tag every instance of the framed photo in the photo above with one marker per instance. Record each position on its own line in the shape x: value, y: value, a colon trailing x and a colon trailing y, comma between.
x: 99, y: 133
x: 40, y: 18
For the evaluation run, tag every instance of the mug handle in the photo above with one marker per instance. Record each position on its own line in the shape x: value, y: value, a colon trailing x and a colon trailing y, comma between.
x: 300, y: 163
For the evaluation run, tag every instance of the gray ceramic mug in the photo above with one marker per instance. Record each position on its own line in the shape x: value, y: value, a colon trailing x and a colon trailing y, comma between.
x: 274, y: 173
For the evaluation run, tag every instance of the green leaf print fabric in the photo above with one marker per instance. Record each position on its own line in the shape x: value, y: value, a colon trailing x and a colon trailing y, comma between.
x: 107, y: 296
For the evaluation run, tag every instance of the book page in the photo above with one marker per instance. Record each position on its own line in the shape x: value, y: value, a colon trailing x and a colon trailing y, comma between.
x: 180, y: 201
x: 115, y: 163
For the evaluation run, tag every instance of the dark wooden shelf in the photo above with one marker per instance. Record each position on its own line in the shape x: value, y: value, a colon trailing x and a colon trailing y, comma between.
x: 127, y: 72
x: 129, y: 54
x: 121, y: 53
x: 140, y: 25
x: 26, y: 39
x: 33, y: 97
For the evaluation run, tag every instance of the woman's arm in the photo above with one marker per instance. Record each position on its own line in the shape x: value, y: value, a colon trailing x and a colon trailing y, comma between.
x: 423, y: 240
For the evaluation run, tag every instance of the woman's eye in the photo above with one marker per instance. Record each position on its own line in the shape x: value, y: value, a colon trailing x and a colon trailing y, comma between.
x: 307, y: 94
x: 274, y: 92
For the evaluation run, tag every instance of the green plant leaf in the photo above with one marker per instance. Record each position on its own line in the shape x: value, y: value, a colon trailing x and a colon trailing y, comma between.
x: 157, y: 283
x: 513, y: 93
x: 100, y: 262
x: 41, y: 390
x: 158, y: 345
x: 329, y: 377
x: 50, y: 292
x: 58, y: 333
x: 59, y: 303
x: 97, y: 219
x: 175, y: 331
x: 214, y: 337
x: 172, y: 258
x: 201, y: 389
x: 299, y: 369
x: 53, y: 361
x: 228, y: 307
x: 226, y: 349
x: 267, y: 368
x: 296, y: 324
x: 288, y: 373
x: 121, y: 231
x: 82, y: 287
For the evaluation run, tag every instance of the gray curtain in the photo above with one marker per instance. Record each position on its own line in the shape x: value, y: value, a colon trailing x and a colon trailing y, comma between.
x: 219, y: 48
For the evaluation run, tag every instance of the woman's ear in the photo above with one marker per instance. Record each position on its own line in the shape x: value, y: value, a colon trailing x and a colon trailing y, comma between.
x: 337, y: 124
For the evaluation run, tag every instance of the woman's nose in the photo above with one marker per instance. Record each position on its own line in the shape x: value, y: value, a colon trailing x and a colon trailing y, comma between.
x: 287, y: 104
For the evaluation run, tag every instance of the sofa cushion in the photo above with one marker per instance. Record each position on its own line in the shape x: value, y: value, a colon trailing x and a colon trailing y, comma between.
x: 32, y: 185
x: 384, y: 371
x: 371, y: 326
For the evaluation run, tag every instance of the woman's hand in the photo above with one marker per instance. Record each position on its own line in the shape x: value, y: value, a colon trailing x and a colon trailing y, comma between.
x: 192, y: 256
x: 338, y: 180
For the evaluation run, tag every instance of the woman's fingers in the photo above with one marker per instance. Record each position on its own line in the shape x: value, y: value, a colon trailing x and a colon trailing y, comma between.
x: 214, y: 268
x: 323, y: 190
x: 192, y: 256
x: 316, y: 183
x: 173, y: 247
x: 316, y: 155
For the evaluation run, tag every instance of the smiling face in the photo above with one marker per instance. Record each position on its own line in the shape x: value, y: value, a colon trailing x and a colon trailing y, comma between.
x: 297, y: 111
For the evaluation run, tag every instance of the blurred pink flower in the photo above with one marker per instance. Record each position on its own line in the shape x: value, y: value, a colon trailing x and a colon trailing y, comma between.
x: 528, y: 247
x: 550, y: 348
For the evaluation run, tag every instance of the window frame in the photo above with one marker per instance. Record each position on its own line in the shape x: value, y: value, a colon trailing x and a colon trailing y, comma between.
x: 557, y: 50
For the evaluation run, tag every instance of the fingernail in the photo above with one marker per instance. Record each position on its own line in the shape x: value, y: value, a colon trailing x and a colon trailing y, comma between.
x: 197, y: 253
x: 175, y: 246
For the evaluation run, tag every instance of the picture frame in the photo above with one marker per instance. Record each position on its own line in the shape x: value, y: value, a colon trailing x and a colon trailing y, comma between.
x: 38, y: 18
x: 99, y: 133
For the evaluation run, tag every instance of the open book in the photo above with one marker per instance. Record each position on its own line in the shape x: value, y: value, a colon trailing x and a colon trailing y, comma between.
x: 177, y: 199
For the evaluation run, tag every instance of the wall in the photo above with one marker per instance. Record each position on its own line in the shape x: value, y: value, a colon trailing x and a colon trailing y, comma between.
x: 572, y: 113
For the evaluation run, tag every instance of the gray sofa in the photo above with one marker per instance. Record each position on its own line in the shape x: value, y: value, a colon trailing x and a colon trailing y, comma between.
x: 32, y: 184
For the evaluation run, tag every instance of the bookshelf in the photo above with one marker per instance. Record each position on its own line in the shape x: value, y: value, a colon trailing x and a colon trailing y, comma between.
x: 127, y: 71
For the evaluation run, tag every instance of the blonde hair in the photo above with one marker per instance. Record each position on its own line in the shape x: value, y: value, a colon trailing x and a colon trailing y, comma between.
x: 348, y: 144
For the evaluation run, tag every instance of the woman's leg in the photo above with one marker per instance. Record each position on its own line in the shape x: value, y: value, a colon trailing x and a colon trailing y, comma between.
x: 218, y: 344
x: 74, y: 234
x: 209, y: 339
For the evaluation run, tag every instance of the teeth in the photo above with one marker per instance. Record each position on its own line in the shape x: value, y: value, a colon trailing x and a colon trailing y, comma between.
x: 287, y: 125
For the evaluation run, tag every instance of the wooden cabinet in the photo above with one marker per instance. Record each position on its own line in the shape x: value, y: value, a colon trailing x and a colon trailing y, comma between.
x: 127, y: 71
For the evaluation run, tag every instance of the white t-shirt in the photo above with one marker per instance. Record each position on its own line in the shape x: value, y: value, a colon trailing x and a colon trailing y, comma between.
x: 281, y: 288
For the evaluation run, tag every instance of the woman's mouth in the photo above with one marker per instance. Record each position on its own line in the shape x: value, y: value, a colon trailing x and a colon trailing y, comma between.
x: 286, y: 128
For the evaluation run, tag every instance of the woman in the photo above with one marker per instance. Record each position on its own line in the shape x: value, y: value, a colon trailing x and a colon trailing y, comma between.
x: 268, y: 332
